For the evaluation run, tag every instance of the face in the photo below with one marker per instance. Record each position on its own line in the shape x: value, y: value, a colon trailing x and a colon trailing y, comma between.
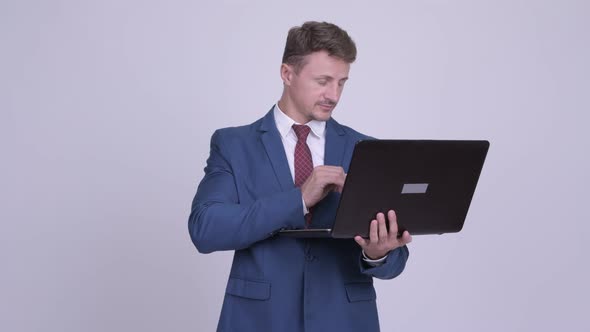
x: 313, y: 92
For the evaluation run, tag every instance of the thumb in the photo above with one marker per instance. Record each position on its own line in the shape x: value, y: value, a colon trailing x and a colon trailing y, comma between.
x: 361, y: 242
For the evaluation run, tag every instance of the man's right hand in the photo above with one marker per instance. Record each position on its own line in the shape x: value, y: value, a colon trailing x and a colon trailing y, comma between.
x: 322, y: 180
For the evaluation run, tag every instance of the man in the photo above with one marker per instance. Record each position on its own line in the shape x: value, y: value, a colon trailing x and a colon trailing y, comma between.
x: 285, y: 171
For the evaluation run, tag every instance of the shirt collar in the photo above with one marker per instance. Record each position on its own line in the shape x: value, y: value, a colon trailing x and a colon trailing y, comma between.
x: 285, y: 123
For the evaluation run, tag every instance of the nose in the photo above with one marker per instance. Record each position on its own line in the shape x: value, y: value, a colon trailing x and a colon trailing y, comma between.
x: 332, y: 92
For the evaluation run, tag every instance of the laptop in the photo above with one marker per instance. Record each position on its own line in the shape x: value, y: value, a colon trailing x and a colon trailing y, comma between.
x: 429, y: 184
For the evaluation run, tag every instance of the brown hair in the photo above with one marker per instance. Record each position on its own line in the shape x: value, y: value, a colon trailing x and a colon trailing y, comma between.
x: 317, y: 36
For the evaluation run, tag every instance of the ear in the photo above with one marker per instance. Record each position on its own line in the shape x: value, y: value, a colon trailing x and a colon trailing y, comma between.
x: 287, y: 74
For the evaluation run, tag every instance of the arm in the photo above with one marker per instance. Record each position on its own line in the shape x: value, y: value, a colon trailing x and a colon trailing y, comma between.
x: 218, y: 221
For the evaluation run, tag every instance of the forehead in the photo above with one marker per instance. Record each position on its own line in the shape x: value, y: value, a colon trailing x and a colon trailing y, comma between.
x: 322, y: 64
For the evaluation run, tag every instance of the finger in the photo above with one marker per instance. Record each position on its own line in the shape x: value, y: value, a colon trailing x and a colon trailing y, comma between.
x: 340, y: 188
x: 339, y: 180
x: 361, y: 242
x: 392, y: 217
x: 328, y: 169
x: 326, y: 178
x: 382, y: 227
x: 373, y: 236
x: 335, y: 172
x: 343, y: 183
x: 406, y: 238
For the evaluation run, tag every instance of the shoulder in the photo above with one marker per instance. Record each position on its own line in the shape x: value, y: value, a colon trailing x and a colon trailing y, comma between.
x: 230, y: 135
x: 348, y: 131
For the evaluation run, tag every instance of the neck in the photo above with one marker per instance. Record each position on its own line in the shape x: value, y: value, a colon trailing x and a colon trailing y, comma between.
x: 289, y: 109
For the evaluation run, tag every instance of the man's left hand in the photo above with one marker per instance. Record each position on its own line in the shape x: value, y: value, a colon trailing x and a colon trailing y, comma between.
x: 380, y: 241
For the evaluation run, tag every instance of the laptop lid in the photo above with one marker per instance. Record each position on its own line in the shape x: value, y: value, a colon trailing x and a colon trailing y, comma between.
x: 429, y: 183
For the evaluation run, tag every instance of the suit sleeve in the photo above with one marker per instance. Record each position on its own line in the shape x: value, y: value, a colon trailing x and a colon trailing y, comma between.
x: 392, y: 267
x: 218, y: 221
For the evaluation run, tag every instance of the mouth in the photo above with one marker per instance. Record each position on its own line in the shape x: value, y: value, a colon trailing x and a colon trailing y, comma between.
x: 327, y: 107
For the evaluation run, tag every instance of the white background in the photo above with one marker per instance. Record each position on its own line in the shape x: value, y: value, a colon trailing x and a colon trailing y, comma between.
x: 107, y: 107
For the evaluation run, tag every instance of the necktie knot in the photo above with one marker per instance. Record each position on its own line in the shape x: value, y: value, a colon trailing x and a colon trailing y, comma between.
x: 302, y: 131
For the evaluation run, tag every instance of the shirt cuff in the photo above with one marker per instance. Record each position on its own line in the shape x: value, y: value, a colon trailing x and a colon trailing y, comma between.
x: 374, y: 262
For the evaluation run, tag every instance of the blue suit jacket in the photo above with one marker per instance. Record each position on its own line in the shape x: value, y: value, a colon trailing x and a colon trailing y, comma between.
x: 277, y: 283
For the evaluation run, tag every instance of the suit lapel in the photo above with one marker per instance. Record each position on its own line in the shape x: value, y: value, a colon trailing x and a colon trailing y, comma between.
x: 273, y: 145
x: 323, y: 216
x: 335, y: 144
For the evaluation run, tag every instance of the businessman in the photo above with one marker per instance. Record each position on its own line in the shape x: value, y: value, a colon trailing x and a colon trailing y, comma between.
x: 286, y: 171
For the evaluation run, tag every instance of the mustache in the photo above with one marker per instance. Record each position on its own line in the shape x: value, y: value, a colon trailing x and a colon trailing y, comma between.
x: 327, y: 102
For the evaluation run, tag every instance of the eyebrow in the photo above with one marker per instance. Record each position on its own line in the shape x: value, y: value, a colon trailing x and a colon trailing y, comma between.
x: 327, y: 77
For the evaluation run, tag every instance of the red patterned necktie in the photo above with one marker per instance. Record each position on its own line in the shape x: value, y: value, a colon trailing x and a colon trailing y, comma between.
x: 303, y: 162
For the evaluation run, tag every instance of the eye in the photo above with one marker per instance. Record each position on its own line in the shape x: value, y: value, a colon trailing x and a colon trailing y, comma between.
x: 322, y: 82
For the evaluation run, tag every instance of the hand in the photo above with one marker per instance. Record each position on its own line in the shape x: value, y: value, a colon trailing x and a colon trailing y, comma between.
x: 322, y: 180
x: 381, y: 242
